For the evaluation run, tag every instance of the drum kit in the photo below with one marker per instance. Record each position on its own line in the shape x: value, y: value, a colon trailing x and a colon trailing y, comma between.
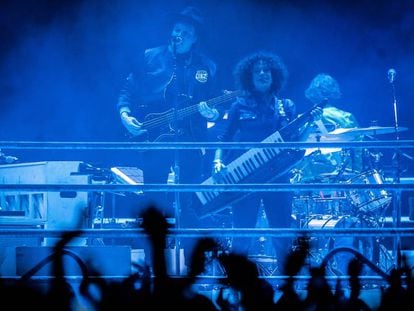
x: 341, y: 209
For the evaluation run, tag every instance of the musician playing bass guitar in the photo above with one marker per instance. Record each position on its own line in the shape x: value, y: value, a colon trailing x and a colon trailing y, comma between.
x: 167, y: 99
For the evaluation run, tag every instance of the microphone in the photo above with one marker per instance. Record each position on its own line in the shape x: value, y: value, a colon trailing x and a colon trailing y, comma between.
x: 391, y: 75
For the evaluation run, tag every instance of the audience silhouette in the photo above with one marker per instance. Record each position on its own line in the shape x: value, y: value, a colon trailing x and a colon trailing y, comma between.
x: 241, y: 287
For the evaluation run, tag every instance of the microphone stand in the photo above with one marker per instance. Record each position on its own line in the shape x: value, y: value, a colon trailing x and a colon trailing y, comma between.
x: 396, y: 212
x: 176, y: 203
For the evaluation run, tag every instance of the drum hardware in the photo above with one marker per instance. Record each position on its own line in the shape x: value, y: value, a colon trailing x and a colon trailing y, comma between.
x: 317, y: 137
x: 356, y: 132
x: 296, y: 176
x: 324, y: 221
x: 312, y: 167
x: 313, y: 205
x: 396, y: 211
x: 371, y: 159
x: 369, y: 201
x: 322, y: 248
x: 405, y: 155
x: 375, y: 156
x: 374, y: 255
x: 345, y: 175
x: 319, y: 247
x: 342, y: 171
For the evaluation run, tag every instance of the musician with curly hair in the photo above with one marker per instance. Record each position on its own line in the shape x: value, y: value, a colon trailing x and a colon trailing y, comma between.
x: 257, y: 116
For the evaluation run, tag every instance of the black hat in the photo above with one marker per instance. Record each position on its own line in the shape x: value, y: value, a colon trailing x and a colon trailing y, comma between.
x: 190, y: 15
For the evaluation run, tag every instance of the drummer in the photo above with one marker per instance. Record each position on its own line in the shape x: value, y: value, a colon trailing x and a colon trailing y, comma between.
x: 324, y: 89
x: 329, y: 165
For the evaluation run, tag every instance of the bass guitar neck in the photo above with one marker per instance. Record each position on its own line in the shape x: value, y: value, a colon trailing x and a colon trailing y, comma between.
x: 159, y: 125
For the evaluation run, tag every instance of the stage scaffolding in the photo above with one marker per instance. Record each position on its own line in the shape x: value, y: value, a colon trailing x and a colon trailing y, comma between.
x: 396, y: 187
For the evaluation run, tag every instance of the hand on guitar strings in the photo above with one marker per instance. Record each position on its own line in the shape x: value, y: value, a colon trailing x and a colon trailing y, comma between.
x: 132, y: 124
x: 210, y: 114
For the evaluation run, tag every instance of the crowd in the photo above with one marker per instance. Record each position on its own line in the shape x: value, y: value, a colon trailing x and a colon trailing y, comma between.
x: 241, y: 287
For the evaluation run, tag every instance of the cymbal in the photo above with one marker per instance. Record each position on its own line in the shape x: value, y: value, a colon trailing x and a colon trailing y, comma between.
x: 357, y: 131
x: 328, y: 177
x: 336, y: 175
x: 329, y: 137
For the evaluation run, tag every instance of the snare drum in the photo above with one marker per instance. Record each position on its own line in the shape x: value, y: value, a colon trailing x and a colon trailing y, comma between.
x: 369, y: 200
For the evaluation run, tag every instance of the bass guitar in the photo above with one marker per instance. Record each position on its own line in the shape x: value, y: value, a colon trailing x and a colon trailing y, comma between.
x: 159, y: 126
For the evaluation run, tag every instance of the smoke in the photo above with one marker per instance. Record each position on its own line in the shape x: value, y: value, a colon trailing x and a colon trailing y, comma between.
x: 62, y: 64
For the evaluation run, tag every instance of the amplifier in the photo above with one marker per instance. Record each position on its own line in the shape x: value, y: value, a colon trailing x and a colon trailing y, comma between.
x: 55, y: 209
x: 50, y: 210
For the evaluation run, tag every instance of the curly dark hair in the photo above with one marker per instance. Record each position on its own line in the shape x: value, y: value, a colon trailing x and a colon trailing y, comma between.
x: 243, y: 72
x: 322, y: 87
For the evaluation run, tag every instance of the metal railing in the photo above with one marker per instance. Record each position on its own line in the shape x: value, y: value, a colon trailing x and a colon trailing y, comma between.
x: 73, y: 145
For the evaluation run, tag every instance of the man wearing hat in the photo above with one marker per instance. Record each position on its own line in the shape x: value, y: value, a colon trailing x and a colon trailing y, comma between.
x: 164, y: 100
